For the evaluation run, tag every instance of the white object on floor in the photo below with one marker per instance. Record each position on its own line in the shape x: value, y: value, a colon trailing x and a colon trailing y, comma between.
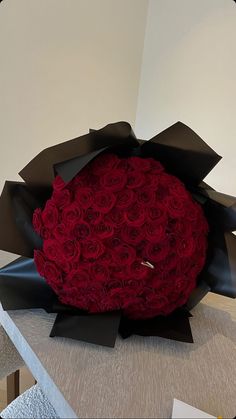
x: 10, y: 360
x: 183, y: 410
x: 32, y: 404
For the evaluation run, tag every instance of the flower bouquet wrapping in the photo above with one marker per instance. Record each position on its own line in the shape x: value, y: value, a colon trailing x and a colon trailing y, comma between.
x: 118, y: 234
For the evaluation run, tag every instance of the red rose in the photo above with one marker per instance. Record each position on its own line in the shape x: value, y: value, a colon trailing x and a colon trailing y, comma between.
x: 155, y: 252
x: 168, y: 264
x: 110, y: 304
x: 99, y: 272
x: 193, y: 212
x: 118, y: 271
x: 50, y: 215
x: 103, y: 164
x: 81, y: 180
x: 162, y: 192
x: 80, y: 291
x: 152, y: 181
x: 67, y: 266
x: 81, y: 231
x: 113, y: 242
x: 133, y: 285
x: 125, y: 198
x: 154, y: 231
x: 93, y: 181
x: 140, y: 271
x: 92, y: 249
x: 104, y: 229
x: 114, y: 180
x: 135, y: 179
x: 131, y: 301
x: 118, y: 293
x: 138, y: 311
x: 125, y: 254
x: 37, y: 220
x: 124, y: 165
x: 78, y: 182
x: 71, y: 214
x: 58, y: 183
x: 39, y: 260
x: 92, y: 216
x: 180, y: 228
x: 177, y: 294
x: 51, y: 249
x: 175, y: 206
x: 61, y: 232
x: 104, y: 202
x: 79, y: 278
x: 131, y: 235
x: 140, y: 164
x: 185, y: 264
x: 157, y: 213
x: 45, y: 233
x: 61, y: 198
x: 112, y: 284
x: 177, y: 188
x: 70, y: 297
x: 135, y: 215
x: 107, y: 257
x: 146, y: 197
x: 84, y: 197
x: 71, y: 250
x: 116, y: 217
x: 185, y: 247
x: 53, y: 275
x: 179, y: 283
x: 95, y: 304
x: 196, y: 268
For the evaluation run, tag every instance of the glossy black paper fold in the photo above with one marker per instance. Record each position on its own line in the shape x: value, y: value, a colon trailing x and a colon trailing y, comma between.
x: 176, y: 326
x: 198, y: 294
x: 21, y: 287
x: 100, y: 329
x: 17, y: 204
x: 220, y: 268
x: 40, y: 171
x: 184, y: 154
x: 219, y: 272
x: 220, y: 210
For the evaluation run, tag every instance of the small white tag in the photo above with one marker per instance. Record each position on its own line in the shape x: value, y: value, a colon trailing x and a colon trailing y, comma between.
x: 183, y: 410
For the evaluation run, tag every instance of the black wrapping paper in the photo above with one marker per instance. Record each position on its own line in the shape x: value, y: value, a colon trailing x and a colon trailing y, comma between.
x: 176, y: 326
x: 184, y: 154
x: 100, y: 329
x: 40, y: 171
x: 21, y: 287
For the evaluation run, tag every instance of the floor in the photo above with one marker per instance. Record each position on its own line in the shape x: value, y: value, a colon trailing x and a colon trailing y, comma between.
x: 26, y: 381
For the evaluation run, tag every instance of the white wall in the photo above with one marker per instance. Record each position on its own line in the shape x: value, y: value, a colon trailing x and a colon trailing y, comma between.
x: 189, y: 74
x: 65, y: 66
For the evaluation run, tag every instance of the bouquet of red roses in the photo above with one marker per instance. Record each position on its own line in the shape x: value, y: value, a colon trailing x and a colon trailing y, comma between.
x: 124, y: 233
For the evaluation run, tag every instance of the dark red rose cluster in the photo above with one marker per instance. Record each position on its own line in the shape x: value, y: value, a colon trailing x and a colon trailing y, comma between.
x: 122, y: 235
